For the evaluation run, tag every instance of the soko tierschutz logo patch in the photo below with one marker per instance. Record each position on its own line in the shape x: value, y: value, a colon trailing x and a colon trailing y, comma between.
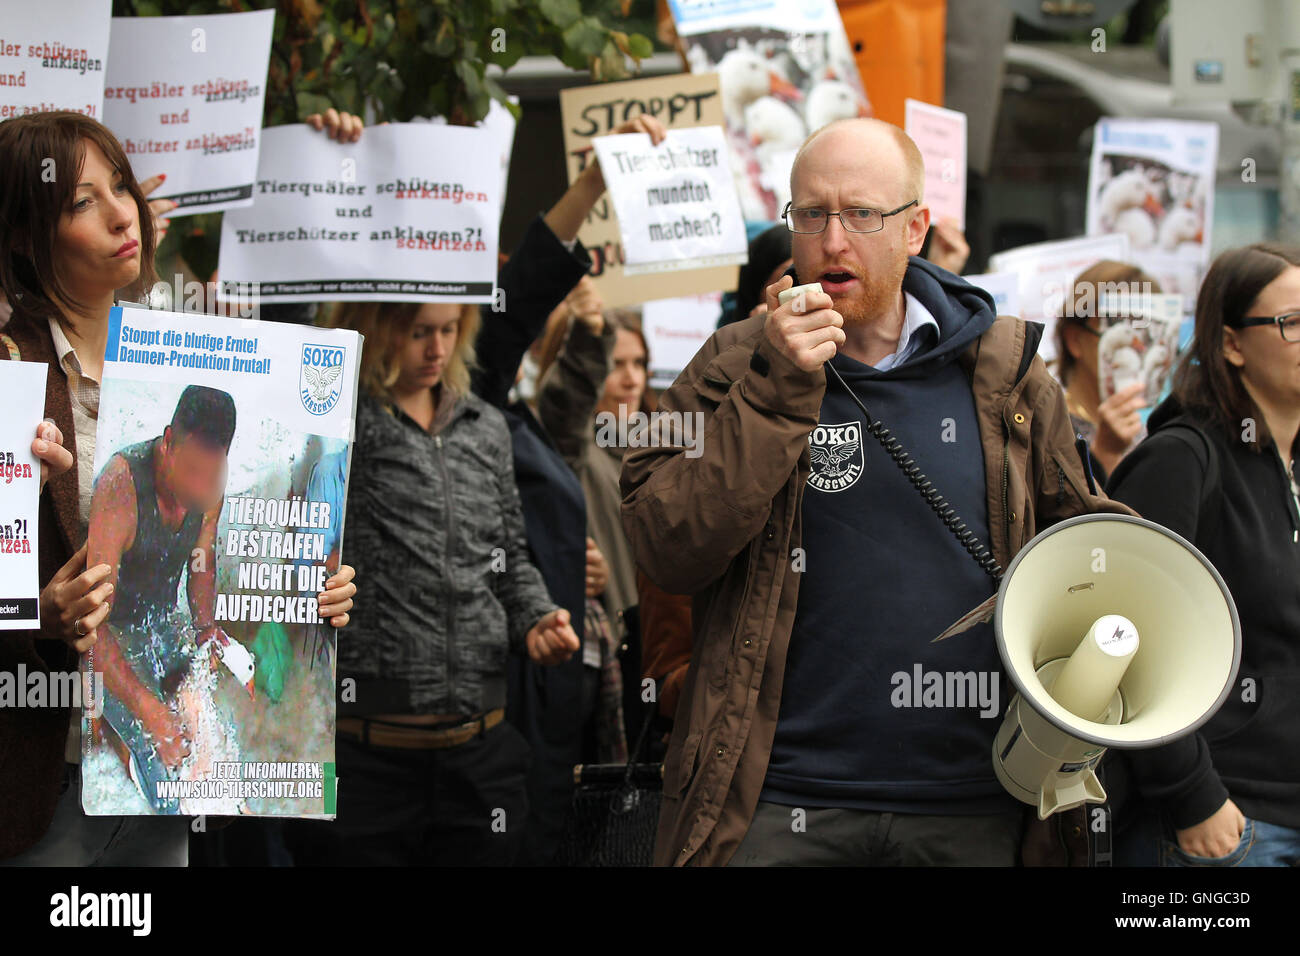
x: 321, y: 381
x: 836, y: 456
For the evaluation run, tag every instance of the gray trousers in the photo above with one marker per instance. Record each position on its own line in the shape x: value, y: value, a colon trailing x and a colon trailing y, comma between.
x: 814, y: 836
x: 75, y: 839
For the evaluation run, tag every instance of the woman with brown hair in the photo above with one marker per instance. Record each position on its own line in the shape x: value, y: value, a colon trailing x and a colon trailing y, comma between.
x: 436, y: 775
x: 592, y: 375
x: 1218, y: 468
x: 594, y: 364
x: 1109, y: 427
x: 77, y: 229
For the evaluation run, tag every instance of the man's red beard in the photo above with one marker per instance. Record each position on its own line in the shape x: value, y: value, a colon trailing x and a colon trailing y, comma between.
x: 876, y: 295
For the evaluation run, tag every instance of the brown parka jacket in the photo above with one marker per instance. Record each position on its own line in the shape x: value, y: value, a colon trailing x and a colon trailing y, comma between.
x: 721, y: 525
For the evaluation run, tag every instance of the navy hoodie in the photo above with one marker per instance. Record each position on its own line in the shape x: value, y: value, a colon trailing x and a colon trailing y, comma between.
x: 873, y: 715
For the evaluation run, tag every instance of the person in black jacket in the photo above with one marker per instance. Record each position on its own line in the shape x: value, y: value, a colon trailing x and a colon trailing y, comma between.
x: 544, y: 703
x: 1218, y: 468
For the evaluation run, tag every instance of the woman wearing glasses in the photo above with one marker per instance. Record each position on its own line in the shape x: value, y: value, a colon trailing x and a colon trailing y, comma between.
x: 1218, y: 468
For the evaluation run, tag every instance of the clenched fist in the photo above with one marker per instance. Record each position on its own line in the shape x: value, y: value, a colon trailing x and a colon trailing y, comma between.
x: 552, y: 640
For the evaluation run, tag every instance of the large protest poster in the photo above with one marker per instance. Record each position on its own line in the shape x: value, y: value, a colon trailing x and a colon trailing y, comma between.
x: 22, y: 392
x: 222, y: 457
x: 676, y: 202
x: 52, y: 56
x: 1153, y: 181
x: 184, y: 96
x: 785, y: 70
x: 1048, y: 271
x: 682, y: 101
x: 410, y: 213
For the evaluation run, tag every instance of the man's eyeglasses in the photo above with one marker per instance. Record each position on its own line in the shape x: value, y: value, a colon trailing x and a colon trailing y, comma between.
x: 856, y: 219
x: 1288, y: 324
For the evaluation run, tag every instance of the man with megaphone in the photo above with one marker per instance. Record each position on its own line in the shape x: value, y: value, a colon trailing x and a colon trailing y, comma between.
x: 819, y: 723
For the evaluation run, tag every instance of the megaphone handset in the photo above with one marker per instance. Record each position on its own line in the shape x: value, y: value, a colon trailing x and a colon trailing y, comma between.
x: 1090, y: 678
x: 911, y: 471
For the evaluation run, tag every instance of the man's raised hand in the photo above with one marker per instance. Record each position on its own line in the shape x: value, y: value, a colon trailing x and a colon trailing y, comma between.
x: 806, y: 329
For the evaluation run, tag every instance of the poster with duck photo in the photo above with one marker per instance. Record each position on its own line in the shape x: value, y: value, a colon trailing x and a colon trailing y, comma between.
x: 785, y: 69
x: 1153, y: 181
x: 1138, y: 344
x: 221, y: 471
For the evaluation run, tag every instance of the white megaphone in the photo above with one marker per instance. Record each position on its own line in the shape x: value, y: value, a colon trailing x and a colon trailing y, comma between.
x: 1115, y: 632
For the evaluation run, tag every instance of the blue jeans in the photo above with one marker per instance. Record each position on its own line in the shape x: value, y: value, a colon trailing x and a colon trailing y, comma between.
x: 1151, y: 841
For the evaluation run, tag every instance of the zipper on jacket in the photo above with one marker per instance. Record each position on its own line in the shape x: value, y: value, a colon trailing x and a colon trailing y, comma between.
x: 1289, y: 484
x: 1006, y: 480
x: 451, y: 580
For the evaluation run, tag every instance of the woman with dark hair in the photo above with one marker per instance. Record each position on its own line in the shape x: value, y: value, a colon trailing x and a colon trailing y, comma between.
x: 78, y: 229
x: 1109, y: 427
x: 769, y: 257
x: 1218, y: 468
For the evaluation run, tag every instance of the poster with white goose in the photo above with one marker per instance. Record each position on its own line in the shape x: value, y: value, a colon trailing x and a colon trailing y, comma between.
x: 222, y: 455
x: 786, y: 69
x: 1153, y: 181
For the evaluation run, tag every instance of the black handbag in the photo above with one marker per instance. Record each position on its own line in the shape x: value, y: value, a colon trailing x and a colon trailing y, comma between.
x: 615, y: 810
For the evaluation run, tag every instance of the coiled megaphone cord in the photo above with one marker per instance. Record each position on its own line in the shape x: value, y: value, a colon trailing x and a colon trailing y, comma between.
x: 912, y: 472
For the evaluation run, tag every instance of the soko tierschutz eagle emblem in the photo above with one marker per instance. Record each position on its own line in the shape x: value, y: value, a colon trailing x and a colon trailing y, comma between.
x: 321, y: 381
x: 836, y: 452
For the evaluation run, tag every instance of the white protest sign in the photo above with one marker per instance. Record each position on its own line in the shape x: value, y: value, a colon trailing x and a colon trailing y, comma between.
x: 409, y: 213
x: 184, y: 95
x: 940, y: 135
x: 52, y: 56
x: 676, y: 203
x: 1047, y: 272
x: 675, y: 329
x: 1003, y: 286
x: 499, y: 121
x: 22, y: 392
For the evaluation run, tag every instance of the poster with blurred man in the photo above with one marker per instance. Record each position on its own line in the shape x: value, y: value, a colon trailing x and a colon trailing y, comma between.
x: 221, y: 464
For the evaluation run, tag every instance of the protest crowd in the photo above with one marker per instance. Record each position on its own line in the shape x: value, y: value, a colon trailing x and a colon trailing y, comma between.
x: 536, y: 605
